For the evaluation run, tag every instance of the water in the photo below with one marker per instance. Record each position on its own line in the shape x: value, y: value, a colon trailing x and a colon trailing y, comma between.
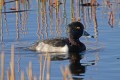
x: 100, y: 61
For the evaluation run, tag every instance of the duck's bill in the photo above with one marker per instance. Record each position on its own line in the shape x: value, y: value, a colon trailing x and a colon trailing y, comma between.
x: 86, y: 34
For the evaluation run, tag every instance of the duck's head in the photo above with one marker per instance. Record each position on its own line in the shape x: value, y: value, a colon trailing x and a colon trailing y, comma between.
x: 75, y: 30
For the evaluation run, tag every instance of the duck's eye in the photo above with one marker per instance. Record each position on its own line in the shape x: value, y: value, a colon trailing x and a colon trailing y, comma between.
x: 78, y: 28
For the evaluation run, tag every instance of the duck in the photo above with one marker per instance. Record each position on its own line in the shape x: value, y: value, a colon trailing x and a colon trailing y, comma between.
x: 63, y: 45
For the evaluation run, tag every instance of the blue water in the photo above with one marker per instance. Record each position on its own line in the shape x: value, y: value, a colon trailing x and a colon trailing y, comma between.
x: 100, y: 61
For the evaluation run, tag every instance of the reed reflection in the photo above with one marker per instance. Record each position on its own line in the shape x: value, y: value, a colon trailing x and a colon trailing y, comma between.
x: 1, y: 27
x: 39, y: 33
x: 72, y: 11
x: 89, y: 16
x: 21, y: 19
x: 17, y: 19
x: 95, y: 21
x: 111, y: 9
x: 5, y: 18
x: 111, y: 19
x: 43, y: 17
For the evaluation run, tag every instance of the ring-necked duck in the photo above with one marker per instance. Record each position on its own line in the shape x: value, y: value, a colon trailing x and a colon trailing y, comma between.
x: 63, y: 45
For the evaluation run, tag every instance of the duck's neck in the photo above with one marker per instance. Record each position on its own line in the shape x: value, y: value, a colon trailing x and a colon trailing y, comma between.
x: 74, y: 41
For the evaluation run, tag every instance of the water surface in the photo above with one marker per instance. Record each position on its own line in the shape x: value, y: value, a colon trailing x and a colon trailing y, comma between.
x: 100, y: 61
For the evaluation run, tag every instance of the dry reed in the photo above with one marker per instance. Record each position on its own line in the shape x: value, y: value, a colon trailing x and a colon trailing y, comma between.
x: 2, y: 66
x: 8, y: 74
x: 48, y: 67
x: 12, y: 64
x: 41, y: 67
x: 44, y: 66
x: 30, y: 74
x: 1, y: 4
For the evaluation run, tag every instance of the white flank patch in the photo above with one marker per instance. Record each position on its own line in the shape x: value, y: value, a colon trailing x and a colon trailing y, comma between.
x: 42, y: 47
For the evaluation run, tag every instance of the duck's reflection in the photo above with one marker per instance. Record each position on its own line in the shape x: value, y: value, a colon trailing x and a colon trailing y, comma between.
x: 76, y: 68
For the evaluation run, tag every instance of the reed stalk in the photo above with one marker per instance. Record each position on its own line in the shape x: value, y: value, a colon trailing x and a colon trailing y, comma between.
x: 1, y: 4
x: 8, y: 74
x: 48, y: 67
x: 44, y: 66
x: 2, y: 65
x: 41, y: 68
x: 64, y: 73
x: 22, y: 75
x: 35, y: 78
x: 30, y: 74
x: 12, y: 64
